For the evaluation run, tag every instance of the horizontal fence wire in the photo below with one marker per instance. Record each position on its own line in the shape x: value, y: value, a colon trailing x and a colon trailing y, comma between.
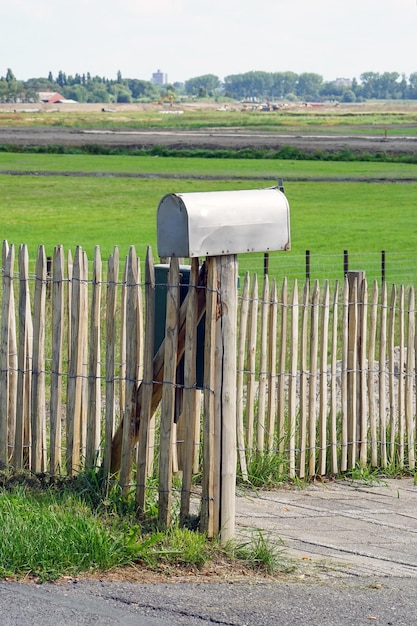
x: 384, y: 265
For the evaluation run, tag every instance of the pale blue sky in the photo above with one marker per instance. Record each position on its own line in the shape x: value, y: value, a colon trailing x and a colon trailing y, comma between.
x: 188, y: 38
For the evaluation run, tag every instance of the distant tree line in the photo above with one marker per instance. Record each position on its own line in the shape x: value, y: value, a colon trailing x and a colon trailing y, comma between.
x: 311, y: 87
x: 256, y: 85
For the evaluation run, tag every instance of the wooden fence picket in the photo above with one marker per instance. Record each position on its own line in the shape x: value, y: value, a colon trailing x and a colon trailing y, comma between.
x: 272, y: 367
x: 344, y: 377
x: 38, y: 417
x: 292, y: 394
x: 324, y: 342
x: 401, y: 413
x: 75, y: 368
x: 281, y: 403
x: 334, y: 463
x: 190, y: 392
x: 352, y: 374
x: 363, y: 375
x: 409, y: 379
x: 251, y: 365
x: 21, y: 457
x: 312, y: 404
x: 94, y: 367
x: 111, y: 307
x: 227, y: 391
x: 262, y: 384
x: 371, y: 375
x: 13, y: 373
x: 8, y: 265
x: 303, y: 381
x: 168, y: 395
x: 145, y: 448
x: 209, y: 507
x: 122, y: 343
x: 83, y: 338
x: 382, y: 376
x: 240, y: 426
x: 391, y: 374
x: 132, y: 360
x: 58, y: 320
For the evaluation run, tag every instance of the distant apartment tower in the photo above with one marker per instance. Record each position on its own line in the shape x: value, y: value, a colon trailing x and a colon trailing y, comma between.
x: 159, y: 78
x: 343, y: 82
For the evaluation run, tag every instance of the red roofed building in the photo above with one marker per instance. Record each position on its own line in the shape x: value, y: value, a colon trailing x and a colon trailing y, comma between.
x: 52, y: 97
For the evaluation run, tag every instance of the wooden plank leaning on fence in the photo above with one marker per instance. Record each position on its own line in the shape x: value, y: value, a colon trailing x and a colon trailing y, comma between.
x: 158, y: 371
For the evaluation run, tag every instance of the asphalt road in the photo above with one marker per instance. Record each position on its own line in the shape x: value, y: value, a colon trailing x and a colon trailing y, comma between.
x: 353, y: 548
x: 340, y: 603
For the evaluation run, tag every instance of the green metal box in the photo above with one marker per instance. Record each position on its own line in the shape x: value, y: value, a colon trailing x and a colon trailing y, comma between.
x: 161, y: 282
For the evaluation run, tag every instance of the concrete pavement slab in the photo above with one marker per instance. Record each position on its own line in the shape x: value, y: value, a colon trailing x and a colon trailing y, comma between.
x: 342, y: 527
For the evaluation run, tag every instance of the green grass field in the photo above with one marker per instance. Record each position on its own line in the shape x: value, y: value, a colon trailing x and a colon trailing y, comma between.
x: 270, y: 169
x: 326, y: 217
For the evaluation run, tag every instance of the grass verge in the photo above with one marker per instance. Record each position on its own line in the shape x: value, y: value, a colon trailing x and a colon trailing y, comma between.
x: 65, y: 529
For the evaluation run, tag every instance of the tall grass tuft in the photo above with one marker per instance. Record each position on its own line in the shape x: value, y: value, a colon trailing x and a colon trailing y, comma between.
x: 266, y: 469
x: 50, y: 534
x: 258, y: 553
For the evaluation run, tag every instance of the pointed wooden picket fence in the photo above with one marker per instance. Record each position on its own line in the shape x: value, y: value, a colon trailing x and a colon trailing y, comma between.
x: 331, y: 384
x: 325, y: 376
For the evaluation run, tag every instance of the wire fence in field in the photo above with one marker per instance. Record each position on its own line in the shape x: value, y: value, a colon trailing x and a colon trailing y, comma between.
x: 392, y: 267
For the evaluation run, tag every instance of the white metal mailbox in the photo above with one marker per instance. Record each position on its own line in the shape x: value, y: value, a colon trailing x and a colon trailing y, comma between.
x: 223, y: 222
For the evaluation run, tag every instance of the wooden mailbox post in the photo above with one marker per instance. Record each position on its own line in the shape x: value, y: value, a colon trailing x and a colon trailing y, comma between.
x: 219, y: 226
x: 216, y: 226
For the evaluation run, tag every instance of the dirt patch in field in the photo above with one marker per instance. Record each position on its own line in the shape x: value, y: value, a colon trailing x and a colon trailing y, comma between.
x: 213, y: 139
